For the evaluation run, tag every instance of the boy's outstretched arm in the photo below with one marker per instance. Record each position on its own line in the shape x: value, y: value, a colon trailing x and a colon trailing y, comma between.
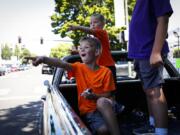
x: 81, y: 28
x: 49, y: 61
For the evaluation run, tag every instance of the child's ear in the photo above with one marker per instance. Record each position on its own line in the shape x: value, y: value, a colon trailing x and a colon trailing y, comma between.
x: 97, y: 53
x: 103, y: 24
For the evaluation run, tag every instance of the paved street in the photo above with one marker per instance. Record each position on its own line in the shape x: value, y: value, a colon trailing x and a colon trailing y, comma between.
x: 20, y: 104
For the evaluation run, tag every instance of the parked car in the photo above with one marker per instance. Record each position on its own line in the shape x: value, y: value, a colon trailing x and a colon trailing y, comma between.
x: 61, y: 114
x: 46, y: 69
x: 23, y: 67
x: 8, y: 68
x: 14, y: 68
x: 2, y: 71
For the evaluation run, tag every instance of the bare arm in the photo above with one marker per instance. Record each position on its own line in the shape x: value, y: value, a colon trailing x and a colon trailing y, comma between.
x: 94, y: 96
x: 50, y: 61
x: 160, y: 36
x: 81, y: 28
x: 107, y: 95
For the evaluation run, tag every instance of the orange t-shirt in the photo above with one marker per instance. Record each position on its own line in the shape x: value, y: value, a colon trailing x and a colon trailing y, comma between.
x: 100, y: 81
x: 105, y: 59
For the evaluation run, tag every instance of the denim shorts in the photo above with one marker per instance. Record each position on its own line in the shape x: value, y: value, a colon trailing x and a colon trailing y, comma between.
x: 151, y: 77
x: 94, y: 120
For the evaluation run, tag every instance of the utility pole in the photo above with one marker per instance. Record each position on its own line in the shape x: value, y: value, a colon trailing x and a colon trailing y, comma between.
x: 19, y: 40
x: 41, y: 41
x: 121, y: 18
x: 121, y: 13
x: 177, y: 35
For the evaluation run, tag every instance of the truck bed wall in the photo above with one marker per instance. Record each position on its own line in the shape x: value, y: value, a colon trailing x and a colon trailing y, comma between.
x: 129, y: 93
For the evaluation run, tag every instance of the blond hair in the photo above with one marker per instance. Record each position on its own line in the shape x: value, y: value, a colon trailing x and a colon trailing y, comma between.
x: 92, y: 41
x: 99, y: 17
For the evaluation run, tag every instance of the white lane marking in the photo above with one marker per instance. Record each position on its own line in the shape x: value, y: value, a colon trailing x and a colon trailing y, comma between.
x: 20, y: 98
x: 29, y: 127
x: 38, y: 89
x: 4, y: 91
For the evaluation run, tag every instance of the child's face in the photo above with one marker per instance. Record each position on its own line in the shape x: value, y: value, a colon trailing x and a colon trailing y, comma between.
x: 96, y: 23
x: 87, y: 52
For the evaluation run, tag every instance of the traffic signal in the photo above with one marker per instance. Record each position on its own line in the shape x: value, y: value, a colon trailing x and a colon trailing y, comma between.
x: 19, y: 40
x: 41, y: 40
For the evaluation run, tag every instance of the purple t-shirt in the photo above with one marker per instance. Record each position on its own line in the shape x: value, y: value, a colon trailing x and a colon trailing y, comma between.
x: 143, y: 27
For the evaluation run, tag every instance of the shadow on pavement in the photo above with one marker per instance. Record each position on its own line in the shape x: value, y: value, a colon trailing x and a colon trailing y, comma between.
x: 21, y: 120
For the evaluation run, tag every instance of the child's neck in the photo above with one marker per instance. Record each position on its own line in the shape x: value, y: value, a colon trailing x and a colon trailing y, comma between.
x: 93, y: 66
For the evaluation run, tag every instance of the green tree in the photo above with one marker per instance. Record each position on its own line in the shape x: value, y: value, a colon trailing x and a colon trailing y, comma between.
x: 131, y: 4
x: 61, y: 50
x: 25, y: 53
x: 176, y: 53
x: 78, y: 12
x: 6, y: 52
x: 17, y: 51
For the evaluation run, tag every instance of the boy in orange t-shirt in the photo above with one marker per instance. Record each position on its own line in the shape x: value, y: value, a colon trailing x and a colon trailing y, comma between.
x: 97, y: 24
x: 96, y: 106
